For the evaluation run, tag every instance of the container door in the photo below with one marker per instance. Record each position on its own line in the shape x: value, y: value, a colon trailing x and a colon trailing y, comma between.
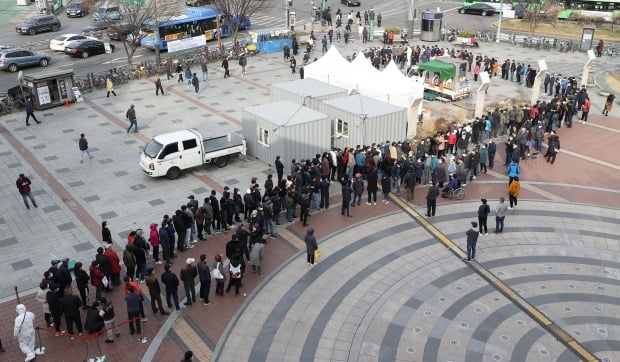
x: 192, y: 154
x: 169, y: 157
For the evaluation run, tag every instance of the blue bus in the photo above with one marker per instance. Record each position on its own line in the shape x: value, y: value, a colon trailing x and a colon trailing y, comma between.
x: 197, y: 22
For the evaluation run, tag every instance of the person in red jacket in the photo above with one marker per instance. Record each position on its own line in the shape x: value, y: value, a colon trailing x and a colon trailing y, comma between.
x: 585, y: 109
x: 452, y: 138
x: 115, y: 265
x: 154, y: 240
x: 96, y: 278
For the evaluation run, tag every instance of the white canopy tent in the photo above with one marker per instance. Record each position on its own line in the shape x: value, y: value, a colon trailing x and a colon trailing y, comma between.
x: 389, y: 85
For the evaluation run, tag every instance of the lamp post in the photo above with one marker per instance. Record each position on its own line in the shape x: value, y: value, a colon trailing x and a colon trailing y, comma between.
x: 499, y: 24
x: 312, y: 15
x: 371, y: 33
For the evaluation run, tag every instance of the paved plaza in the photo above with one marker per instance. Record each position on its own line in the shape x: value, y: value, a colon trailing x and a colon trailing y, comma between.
x: 389, y: 287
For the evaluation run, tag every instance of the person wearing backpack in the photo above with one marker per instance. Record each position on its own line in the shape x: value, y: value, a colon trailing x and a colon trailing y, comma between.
x: 235, y: 271
x: 514, y: 188
x: 514, y: 170
x: 483, y: 213
x: 243, y: 62
x: 304, y: 202
x: 311, y: 245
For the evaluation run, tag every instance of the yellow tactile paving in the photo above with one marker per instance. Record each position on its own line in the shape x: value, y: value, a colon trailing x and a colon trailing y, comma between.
x: 291, y: 238
x: 192, y: 340
x: 510, y: 293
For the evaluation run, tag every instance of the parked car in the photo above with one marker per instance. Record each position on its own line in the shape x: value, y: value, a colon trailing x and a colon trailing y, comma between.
x: 118, y: 31
x: 15, y: 58
x: 59, y: 42
x: 197, y: 2
x: 95, y: 28
x: 85, y: 48
x: 37, y: 24
x: 76, y: 9
x: 108, y: 12
x: 479, y: 8
x: 351, y: 2
x: 519, y: 11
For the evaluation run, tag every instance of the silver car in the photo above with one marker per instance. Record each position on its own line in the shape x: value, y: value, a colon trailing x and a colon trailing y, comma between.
x: 15, y: 58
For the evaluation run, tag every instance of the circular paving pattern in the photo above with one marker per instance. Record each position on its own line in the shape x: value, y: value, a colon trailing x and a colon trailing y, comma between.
x: 388, y: 290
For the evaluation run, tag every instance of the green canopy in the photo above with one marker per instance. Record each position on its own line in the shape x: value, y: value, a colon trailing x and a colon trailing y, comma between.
x: 445, y: 70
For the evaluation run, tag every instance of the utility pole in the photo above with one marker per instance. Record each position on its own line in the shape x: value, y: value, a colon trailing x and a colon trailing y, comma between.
x: 156, y: 40
x: 312, y: 13
x: 499, y: 24
x: 410, y: 17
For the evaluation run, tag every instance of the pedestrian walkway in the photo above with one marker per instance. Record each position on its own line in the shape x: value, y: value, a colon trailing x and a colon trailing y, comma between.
x: 375, y: 263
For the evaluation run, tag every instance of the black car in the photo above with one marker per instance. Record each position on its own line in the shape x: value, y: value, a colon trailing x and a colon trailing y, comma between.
x: 479, y: 8
x: 95, y: 28
x: 38, y: 24
x: 75, y: 10
x: 85, y: 48
x: 197, y: 2
x: 351, y: 2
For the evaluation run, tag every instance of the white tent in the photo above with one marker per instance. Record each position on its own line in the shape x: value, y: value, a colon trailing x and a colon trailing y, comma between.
x: 331, y: 68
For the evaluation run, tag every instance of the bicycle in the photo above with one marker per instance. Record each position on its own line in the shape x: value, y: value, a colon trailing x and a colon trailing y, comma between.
x: 610, y: 52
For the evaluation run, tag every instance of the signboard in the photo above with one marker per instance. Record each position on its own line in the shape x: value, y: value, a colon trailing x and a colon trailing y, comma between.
x: 44, y: 95
x: 187, y: 43
x: 62, y: 87
x: 587, y: 37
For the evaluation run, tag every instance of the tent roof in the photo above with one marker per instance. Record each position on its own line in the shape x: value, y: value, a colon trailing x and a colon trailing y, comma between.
x: 359, y: 104
x: 362, y: 64
x: 285, y: 113
x: 445, y: 70
x: 309, y: 87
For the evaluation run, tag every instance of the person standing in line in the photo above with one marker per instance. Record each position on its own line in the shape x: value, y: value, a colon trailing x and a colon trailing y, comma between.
x: 23, y: 185
x: 373, y: 178
x: 225, y: 66
x: 171, y: 282
x: 219, y: 276
x: 279, y: 169
x: 196, y: 83
x: 129, y: 259
x: 83, y: 144
x: 204, y: 275
x: 236, y: 270
x: 109, y: 86
x: 472, y: 239
x: 158, y: 86
x: 585, y: 109
x: 42, y: 298
x: 514, y: 188
x: 483, y: 213
x: 188, y: 356
x: 514, y: 170
x: 30, y: 111
x: 70, y: 307
x: 81, y: 280
x: 131, y: 116
x: 347, y: 191
x: 188, y: 276
x: 94, y: 318
x: 256, y: 255
x: 155, y: 242
x: 492, y: 149
x: 554, y: 147
x: 431, y: 200
x: 311, y: 245
x: 155, y: 292
x: 500, y: 215
x: 109, y: 320
x: 133, y: 300
x: 243, y: 61
x: 205, y: 71
x: 23, y: 331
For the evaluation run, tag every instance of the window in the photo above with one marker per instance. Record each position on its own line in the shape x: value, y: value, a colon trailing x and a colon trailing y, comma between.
x: 170, y: 149
x: 263, y: 136
x: 189, y: 144
x: 343, y: 128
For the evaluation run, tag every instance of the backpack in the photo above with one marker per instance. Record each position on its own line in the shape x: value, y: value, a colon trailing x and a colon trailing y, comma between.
x: 235, y: 271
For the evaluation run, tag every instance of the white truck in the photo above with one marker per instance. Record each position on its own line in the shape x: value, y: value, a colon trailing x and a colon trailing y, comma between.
x: 170, y: 153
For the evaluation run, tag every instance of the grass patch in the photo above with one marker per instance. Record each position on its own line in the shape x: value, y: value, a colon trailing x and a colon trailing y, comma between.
x: 563, y: 29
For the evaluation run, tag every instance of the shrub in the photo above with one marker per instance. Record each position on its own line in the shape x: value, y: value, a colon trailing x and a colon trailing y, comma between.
x: 393, y: 30
x: 466, y: 33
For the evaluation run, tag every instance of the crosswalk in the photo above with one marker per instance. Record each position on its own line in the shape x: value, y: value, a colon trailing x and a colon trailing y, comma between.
x: 271, y: 22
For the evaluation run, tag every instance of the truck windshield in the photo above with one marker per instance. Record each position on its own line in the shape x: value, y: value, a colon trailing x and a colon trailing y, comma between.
x: 152, y: 148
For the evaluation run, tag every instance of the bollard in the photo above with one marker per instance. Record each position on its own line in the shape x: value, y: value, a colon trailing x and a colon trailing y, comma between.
x: 17, y: 295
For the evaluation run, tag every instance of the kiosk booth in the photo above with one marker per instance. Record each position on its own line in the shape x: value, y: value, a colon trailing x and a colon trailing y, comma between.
x: 431, y: 26
x: 49, y: 89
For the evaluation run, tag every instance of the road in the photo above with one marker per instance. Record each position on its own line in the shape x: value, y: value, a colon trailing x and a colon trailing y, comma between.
x: 393, y: 13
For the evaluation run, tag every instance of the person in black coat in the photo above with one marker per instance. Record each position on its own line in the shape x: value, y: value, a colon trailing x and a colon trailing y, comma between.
x: 347, y: 191
x: 166, y: 241
x: 431, y: 200
x: 279, y: 169
x: 492, y: 149
x: 53, y: 301
x: 94, y: 319
x: 106, y: 235
x: 70, y: 307
x: 372, y: 178
x: 104, y: 264
x: 81, y: 280
x: 171, y: 283
x: 311, y: 245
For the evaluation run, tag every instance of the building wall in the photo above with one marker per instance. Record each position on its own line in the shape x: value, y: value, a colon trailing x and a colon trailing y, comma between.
x: 298, y: 141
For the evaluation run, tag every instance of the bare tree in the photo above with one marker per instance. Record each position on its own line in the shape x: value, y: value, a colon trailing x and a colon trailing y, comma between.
x: 538, y: 12
x: 238, y: 9
x: 135, y: 15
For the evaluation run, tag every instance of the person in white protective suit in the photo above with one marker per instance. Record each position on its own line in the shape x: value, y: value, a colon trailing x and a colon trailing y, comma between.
x: 23, y: 331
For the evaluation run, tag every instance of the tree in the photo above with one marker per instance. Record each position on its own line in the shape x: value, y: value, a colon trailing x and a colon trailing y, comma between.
x: 234, y: 10
x: 538, y: 11
x: 136, y: 14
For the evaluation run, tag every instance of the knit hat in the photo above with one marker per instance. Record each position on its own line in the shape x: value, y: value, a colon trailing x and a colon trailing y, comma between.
x: 474, y: 224
x: 189, y: 260
x: 55, y: 261
x: 139, y: 232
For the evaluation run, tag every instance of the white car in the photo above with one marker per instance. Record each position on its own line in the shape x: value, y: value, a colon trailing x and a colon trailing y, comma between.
x: 60, y: 42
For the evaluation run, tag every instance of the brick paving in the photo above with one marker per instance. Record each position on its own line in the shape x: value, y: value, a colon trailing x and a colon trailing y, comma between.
x: 112, y: 185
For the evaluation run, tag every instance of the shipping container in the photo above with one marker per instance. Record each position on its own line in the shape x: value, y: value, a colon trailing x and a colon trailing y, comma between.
x: 305, y: 91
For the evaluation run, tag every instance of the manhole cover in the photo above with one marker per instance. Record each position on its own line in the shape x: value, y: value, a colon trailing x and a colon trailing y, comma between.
x: 568, y: 309
x: 410, y: 349
x: 576, y: 333
x: 417, y: 330
x: 464, y: 325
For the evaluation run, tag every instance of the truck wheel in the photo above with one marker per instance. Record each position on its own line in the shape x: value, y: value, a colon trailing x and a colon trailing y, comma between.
x: 221, y: 162
x: 173, y: 173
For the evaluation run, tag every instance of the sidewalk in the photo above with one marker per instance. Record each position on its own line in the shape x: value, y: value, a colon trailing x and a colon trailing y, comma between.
x: 74, y: 198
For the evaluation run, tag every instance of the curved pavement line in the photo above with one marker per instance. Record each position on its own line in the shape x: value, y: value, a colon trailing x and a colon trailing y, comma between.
x: 501, y: 287
x: 492, y: 321
x: 452, y: 311
x: 230, y: 326
x: 598, y: 346
x: 270, y: 335
x: 528, y: 339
